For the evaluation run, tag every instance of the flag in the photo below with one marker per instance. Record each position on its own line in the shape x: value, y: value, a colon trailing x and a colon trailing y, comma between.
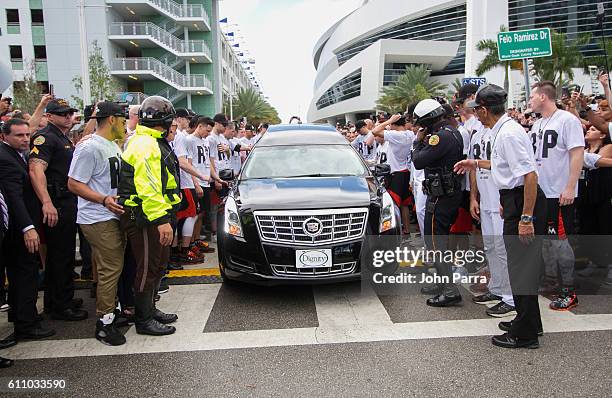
x: 231, y: 34
x: 224, y: 20
x: 236, y: 45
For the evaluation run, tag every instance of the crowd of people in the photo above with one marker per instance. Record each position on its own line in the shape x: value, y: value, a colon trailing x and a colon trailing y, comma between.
x: 567, y: 168
x: 138, y: 185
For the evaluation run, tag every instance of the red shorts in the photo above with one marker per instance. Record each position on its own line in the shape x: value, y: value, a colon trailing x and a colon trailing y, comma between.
x: 188, y: 205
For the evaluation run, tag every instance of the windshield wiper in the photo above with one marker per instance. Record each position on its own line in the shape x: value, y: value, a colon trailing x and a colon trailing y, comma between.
x: 318, y: 175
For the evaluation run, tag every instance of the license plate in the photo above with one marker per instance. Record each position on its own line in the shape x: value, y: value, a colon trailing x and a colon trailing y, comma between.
x: 315, y: 258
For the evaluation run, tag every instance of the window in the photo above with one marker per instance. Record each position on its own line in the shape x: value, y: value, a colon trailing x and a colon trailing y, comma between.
x: 40, y: 53
x: 12, y: 16
x: 37, y: 17
x: 16, y: 53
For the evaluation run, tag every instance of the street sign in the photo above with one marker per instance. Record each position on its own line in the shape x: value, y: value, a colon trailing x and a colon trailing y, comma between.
x: 479, y: 81
x: 531, y: 43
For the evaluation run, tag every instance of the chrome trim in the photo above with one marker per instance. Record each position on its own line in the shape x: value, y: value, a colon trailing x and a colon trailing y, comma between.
x: 339, y: 225
x: 334, y: 270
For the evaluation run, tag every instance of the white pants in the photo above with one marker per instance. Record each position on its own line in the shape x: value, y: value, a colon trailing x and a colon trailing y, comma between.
x: 492, y: 234
x: 420, y: 202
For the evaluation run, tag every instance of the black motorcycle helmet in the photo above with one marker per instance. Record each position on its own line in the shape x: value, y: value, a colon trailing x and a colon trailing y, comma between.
x: 156, y: 111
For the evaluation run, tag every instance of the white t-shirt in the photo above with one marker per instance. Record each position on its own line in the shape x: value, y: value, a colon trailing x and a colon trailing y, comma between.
x: 235, y: 158
x: 480, y: 148
x: 511, y: 154
x: 213, y: 142
x: 96, y: 163
x: 181, y: 150
x: 246, y: 141
x: 366, y: 152
x: 400, y: 146
x: 473, y: 125
x: 224, y: 161
x: 200, y: 154
x: 552, y: 138
x: 381, y: 153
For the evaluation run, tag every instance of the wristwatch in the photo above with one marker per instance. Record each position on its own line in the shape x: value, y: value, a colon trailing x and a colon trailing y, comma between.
x: 525, y: 219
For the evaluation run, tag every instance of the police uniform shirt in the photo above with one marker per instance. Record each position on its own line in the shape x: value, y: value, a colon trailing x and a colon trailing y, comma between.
x: 367, y: 152
x: 552, y: 138
x: 54, y: 147
x: 199, y: 151
x: 180, y: 149
x: 511, y: 154
x: 96, y: 163
x: 398, y: 154
x: 480, y: 148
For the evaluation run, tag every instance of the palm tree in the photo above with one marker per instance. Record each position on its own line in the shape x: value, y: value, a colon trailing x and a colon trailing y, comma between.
x: 491, y: 60
x: 566, y: 55
x: 414, y: 85
x: 249, y: 103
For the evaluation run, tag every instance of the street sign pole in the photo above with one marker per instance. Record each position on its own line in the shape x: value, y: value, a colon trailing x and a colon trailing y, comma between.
x: 527, y: 85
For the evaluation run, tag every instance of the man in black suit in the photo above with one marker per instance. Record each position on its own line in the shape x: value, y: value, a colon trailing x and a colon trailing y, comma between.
x: 21, y: 242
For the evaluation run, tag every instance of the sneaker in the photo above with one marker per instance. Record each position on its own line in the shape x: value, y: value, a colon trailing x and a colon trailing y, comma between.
x: 501, y: 310
x: 201, y: 247
x: 4, y: 307
x: 487, y: 298
x: 108, y: 334
x: 565, y: 301
x: 191, y: 258
x: 163, y: 286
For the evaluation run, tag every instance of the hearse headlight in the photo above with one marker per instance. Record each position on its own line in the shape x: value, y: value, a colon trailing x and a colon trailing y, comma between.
x: 387, y: 213
x: 232, y: 223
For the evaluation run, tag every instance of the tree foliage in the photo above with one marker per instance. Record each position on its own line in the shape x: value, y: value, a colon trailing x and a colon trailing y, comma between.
x: 566, y: 56
x: 249, y: 103
x: 27, y: 96
x: 103, y: 85
x: 414, y: 85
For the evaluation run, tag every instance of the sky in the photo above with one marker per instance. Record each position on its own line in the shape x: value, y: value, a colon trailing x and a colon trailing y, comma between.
x: 280, y: 35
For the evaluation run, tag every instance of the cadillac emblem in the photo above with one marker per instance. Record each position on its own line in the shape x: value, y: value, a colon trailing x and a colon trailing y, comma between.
x: 312, y: 227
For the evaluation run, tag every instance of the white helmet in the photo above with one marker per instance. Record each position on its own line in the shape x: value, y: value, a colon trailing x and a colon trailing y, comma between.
x: 427, y: 111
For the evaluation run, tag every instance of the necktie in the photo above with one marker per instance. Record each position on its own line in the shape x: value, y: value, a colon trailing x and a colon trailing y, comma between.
x: 4, y: 212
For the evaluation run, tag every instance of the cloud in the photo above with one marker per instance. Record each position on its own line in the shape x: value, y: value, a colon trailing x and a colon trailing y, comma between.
x: 281, y: 35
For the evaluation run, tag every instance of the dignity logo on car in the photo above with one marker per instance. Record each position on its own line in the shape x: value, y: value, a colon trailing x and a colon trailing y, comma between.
x: 313, y: 258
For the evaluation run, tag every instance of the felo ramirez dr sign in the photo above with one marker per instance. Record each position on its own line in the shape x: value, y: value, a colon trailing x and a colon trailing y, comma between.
x: 523, y: 44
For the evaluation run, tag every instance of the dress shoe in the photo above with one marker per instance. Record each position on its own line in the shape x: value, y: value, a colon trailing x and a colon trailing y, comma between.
x: 5, y: 362
x: 154, y: 328
x: 34, y: 334
x: 432, y: 289
x: 164, y: 318
x: 507, y: 341
x: 70, y: 314
x: 505, y: 326
x: 442, y: 300
x: 8, y: 341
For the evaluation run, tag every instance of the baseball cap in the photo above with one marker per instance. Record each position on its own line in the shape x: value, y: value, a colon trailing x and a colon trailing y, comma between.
x: 182, y: 112
x: 466, y: 91
x: 107, y: 109
x: 59, y: 105
x: 489, y: 95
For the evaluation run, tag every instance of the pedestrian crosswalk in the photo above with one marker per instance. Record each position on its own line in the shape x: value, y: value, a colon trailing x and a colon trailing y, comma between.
x: 218, y: 316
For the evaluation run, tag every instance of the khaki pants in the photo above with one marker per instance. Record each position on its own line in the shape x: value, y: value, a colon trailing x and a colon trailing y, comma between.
x: 107, y: 246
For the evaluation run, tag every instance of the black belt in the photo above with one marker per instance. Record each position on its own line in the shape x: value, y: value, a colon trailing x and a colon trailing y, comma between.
x: 520, y: 188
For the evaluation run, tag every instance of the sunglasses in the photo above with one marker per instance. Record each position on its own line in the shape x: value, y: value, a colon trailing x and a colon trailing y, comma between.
x: 63, y: 114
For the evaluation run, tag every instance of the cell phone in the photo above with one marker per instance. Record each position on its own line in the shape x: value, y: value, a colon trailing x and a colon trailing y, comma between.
x: 51, y: 90
x: 565, y: 92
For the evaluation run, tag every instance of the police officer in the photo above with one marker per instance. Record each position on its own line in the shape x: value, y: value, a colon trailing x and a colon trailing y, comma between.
x: 49, y: 162
x: 149, y: 192
x: 437, y: 148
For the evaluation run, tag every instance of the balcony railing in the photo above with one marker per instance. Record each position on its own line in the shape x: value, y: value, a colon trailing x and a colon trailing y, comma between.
x: 159, y: 35
x: 180, y: 10
x: 163, y: 71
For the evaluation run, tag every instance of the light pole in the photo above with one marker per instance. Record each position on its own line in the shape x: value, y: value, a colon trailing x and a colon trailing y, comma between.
x: 86, y: 85
x: 601, y: 16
